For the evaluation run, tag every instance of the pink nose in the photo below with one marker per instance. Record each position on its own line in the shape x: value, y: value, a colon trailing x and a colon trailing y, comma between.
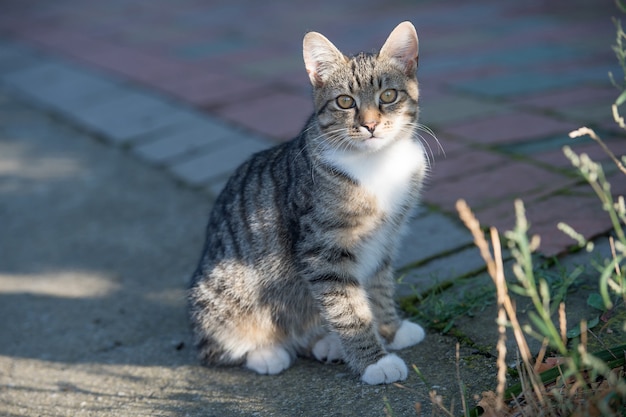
x: 370, y: 126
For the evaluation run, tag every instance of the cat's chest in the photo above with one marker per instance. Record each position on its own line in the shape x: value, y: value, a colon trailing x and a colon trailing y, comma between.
x: 388, y: 175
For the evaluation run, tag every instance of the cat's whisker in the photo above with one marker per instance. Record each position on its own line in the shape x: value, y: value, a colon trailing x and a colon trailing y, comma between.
x: 415, y: 129
x: 430, y: 156
x: 329, y: 136
x: 431, y: 133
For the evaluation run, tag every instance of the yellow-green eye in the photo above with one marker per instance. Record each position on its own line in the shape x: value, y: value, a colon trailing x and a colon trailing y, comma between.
x: 388, y: 96
x: 345, y: 102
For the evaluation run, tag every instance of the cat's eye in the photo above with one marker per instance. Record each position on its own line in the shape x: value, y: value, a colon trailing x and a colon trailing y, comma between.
x: 345, y: 102
x: 388, y: 96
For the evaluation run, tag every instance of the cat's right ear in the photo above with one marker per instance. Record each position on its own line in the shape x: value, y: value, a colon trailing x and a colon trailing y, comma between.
x: 402, y: 47
x: 320, y: 57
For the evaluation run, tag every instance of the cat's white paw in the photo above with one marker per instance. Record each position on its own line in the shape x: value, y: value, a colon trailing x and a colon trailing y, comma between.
x: 268, y: 361
x: 408, y: 334
x: 328, y: 349
x: 388, y: 369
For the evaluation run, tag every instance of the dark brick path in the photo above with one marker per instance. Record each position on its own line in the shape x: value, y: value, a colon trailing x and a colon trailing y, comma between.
x: 502, y: 85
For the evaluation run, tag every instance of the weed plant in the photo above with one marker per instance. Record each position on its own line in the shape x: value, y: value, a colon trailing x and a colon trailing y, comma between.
x: 576, y: 382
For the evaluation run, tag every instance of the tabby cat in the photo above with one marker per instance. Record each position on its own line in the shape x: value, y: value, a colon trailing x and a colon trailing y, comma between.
x: 300, y: 243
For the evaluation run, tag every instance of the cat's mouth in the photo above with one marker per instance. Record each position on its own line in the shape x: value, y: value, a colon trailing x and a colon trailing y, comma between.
x: 375, y: 136
x: 372, y: 143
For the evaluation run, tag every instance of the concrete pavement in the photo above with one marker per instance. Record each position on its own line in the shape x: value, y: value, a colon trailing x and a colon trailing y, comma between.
x: 96, y: 251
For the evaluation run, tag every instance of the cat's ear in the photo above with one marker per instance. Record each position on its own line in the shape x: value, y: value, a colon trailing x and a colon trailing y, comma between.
x: 402, y: 47
x: 320, y: 57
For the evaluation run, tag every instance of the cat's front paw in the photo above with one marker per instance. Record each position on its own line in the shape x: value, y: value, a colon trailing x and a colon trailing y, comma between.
x: 268, y: 361
x: 388, y: 369
x: 408, y: 334
x: 328, y: 349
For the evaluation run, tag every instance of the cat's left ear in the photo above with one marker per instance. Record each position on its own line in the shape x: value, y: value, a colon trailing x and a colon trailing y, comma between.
x: 402, y: 47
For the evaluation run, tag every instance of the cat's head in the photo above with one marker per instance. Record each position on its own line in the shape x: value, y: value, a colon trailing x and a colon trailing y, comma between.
x: 367, y: 101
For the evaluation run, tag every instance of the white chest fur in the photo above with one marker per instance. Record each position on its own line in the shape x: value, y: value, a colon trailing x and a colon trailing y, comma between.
x: 387, y: 173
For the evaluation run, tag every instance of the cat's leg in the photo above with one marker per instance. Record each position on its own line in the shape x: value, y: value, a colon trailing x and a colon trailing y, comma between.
x: 408, y: 334
x: 268, y: 361
x: 235, y: 331
x: 344, y: 305
x: 328, y: 349
x: 388, y: 369
x: 397, y: 333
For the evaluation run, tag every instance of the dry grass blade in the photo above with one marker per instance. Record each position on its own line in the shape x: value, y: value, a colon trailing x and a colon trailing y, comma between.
x: 589, y: 132
x: 458, y: 377
x: 496, y: 271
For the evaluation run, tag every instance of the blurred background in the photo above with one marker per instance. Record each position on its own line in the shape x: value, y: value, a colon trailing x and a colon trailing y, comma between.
x: 502, y: 83
x: 226, y: 56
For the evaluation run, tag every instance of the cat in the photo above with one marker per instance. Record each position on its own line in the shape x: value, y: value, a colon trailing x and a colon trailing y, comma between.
x: 300, y: 242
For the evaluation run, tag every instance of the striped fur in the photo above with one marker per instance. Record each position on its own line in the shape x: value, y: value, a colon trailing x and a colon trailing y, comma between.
x: 300, y: 243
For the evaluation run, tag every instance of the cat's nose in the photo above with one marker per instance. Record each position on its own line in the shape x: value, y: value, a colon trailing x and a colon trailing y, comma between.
x: 370, y: 126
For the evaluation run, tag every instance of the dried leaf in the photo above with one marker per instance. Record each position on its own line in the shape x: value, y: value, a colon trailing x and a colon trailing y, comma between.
x: 550, y: 363
x: 489, y: 404
x: 606, y: 316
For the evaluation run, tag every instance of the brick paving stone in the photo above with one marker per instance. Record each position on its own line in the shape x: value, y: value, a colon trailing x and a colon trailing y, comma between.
x: 55, y: 76
x: 216, y: 185
x: 210, y: 90
x: 445, y: 269
x: 531, y: 55
x: 502, y: 214
x: 508, y: 128
x: 453, y: 109
x: 278, y: 115
x: 461, y: 164
x: 504, y: 57
x: 579, y: 207
x: 452, y: 40
x: 611, y: 128
x: 212, y: 47
x: 138, y: 66
x: 556, y: 158
x: 274, y: 67
x: 481, y: 189
x: 68, y: 42
x: 178, y: 140
x: 543, y: 145
x: 99, y: 104
x: 61, y: 86
x: 234, y: 61
x: 581, y: 210
x: 217, y: 163
x: 567, y: 97
x: 430, y: 91
x: 130, y: 114
x: 294, y: 81
x: 587, y: 114
x: 443, y: 147
x: 528, y: 82
x: 618, y: 183
x: 14, y: 57
x: 429, y: 235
